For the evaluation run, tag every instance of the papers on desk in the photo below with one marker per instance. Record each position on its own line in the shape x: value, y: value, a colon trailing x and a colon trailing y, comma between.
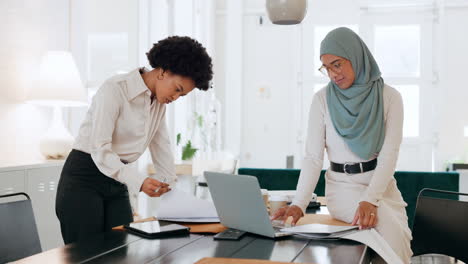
x: 374, y: 240
x: 290, y: 195
x: 320, y: 231
x: 369, y: 237
x: 180, y: 206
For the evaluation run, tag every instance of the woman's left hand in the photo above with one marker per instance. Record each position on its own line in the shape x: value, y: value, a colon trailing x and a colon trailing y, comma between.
x: 366, y: 215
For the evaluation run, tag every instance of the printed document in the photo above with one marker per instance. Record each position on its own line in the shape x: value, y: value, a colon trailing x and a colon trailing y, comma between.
x: 180, y: 206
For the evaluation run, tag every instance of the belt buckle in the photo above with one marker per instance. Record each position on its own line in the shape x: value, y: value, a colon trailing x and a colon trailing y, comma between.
x: 347, y: 164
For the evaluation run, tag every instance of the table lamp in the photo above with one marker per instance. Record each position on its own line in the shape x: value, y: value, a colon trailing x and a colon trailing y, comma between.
x: 286, y: 12
x: 58, y: 85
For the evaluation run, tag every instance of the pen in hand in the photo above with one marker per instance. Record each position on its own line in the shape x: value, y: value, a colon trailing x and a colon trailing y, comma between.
x: 154, y: 187
x: 163, y: 180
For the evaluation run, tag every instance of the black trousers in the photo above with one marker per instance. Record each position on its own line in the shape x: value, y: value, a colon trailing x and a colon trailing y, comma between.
x: 89, y: 202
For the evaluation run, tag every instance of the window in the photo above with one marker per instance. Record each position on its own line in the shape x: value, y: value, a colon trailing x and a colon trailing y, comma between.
x: 397, y: 51
x: 402, y: 43
x: 410, y: 94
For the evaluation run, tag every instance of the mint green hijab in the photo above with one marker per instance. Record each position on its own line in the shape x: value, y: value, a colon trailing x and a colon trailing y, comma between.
x: 356, y: 112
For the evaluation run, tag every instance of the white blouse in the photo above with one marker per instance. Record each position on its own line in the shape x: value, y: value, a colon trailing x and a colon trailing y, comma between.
x: 322, y: 135
x: 120, y: 124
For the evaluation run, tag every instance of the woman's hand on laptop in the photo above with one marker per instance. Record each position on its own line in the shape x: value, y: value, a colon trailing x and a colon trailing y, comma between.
x: 286, y: 211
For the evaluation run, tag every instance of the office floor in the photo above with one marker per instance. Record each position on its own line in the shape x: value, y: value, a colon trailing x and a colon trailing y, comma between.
x: 434, y: 259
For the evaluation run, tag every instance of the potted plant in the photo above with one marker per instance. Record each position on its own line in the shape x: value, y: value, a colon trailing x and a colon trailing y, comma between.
x: 188, y: 152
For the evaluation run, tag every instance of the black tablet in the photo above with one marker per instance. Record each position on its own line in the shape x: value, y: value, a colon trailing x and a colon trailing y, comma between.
x: 157, y: 229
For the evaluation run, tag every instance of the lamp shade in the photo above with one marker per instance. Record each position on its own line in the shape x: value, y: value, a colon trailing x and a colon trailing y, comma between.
x: 59, y: 81
x: 286, y: 12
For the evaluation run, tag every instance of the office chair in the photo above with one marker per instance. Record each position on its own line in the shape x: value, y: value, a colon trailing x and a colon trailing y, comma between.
x: 18, y: 231
x: 440, y: 225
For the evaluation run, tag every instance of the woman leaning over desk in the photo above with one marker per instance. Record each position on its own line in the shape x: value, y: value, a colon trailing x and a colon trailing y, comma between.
x: 127, y: 115
x: 359, y: 120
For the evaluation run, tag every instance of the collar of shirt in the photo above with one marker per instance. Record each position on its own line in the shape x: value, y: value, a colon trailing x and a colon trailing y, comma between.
x: 136, y: 85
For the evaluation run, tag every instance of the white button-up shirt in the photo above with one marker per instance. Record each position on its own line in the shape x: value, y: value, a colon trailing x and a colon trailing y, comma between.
x: 120, y: 124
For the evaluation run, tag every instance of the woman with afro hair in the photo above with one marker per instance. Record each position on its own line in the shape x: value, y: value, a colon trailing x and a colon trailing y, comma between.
x: 127, y: 115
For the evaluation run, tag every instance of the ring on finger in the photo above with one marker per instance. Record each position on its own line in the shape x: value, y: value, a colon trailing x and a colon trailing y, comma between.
x: 372, y: 214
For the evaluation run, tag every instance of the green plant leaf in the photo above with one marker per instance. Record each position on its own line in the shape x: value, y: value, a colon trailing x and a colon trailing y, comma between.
x: 200, y: 120
x: 188, y: 151
x: 178, y: 139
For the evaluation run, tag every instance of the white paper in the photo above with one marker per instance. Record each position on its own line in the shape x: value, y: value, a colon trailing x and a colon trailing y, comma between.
x: 177, y: 204
x: 369, y: 237
x: 193, y: 220
x: 290, y: 195
x: 374, y: 240
x: 317, y: 229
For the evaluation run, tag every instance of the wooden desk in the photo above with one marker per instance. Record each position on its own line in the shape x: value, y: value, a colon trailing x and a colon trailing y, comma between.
x: 120, y: 247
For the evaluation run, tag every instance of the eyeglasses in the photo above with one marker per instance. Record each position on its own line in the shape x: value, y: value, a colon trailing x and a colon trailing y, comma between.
x: 336, y: 67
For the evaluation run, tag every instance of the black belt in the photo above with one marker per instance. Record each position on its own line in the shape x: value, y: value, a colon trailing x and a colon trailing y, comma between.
x: 353, y: 168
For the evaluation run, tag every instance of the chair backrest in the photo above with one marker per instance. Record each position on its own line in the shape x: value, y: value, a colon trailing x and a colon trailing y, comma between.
x: 440, y: 225
x: 18, y: 231
x: 410, y: 184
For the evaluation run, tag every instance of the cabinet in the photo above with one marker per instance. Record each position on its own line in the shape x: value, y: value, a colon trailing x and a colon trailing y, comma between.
x: 12, y: 182
x: 39, y: 181
x: 42, y: 188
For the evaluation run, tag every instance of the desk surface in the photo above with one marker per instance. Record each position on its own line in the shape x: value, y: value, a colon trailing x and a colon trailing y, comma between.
x: 120, y: 247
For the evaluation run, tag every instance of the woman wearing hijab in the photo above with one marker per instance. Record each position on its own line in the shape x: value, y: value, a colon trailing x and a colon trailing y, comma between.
x: 127, y: 116
x: 358, y: 119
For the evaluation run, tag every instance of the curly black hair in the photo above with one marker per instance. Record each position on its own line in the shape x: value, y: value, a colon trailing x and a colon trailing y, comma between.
x: 184, y: 56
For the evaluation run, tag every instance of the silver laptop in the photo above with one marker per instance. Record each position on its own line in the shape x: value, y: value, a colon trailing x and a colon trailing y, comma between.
x: 239, y: 203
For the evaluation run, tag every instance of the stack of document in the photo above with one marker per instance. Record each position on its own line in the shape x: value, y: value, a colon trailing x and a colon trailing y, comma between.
x: 320, y: 231
x: 180, y: 206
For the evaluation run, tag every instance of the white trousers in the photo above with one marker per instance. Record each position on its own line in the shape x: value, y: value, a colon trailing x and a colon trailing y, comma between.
x: 343, y: 193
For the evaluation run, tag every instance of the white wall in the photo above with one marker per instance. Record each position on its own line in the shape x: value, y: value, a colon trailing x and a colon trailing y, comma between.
x: 104, y: 40
x: 268, y: 89
x: 29, y: 28
x: 104, y: 37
